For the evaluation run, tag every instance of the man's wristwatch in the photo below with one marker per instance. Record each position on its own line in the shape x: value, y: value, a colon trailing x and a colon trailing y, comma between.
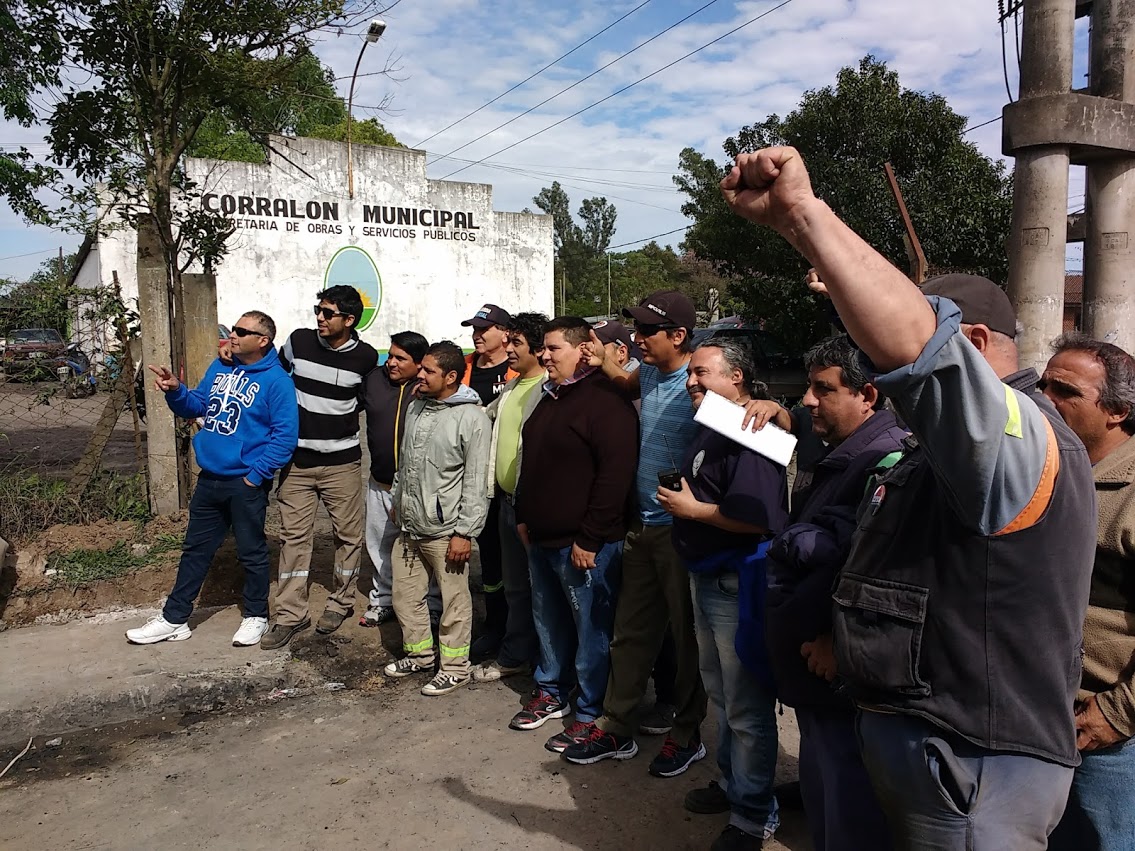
x: 459, y: 535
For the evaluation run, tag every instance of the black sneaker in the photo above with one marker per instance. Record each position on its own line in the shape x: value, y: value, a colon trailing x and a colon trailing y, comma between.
x: 708, y: 801
x: 600, y: 745
x: 674, y: 759
x: 540, y: 707
x: 575, y: 731
x: 735, y: 839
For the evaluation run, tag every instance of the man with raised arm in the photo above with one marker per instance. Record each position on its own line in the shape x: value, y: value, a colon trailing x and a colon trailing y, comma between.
x: 958, y: 614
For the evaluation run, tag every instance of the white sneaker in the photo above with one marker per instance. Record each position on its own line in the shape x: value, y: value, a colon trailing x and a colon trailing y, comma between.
x: 250, y: 632
x: 158, y: 629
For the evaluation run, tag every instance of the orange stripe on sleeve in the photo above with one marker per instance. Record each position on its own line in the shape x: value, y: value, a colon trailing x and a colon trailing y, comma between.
x: 1042, y: 497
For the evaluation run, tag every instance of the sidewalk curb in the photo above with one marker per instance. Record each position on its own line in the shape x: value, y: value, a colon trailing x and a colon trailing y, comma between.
x: 157, y: 693
x: 81, y: 675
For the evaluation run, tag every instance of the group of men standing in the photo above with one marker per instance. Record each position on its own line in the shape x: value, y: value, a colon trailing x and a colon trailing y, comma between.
x: 921, y: 601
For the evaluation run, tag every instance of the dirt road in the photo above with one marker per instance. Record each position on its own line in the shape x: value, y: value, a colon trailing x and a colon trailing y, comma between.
x: 388, y: 769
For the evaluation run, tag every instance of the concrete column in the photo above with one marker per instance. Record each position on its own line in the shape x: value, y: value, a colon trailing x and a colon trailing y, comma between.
x: 154, y: 314
x: 1040, y: 190
x: 199, y: 301
x: 1109, y: 255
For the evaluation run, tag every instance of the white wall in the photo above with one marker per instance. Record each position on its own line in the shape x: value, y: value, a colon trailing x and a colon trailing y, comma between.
x: 428, y: 285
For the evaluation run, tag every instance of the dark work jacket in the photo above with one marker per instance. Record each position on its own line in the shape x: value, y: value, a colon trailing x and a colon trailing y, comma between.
x: 978, y: 634
x: 385, y: 404
x: 805, y: 558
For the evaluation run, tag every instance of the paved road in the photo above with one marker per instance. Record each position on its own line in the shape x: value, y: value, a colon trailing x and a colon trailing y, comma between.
x: 385, y: 769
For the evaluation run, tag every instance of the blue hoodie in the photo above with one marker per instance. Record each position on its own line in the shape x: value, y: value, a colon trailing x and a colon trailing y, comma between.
x: 251, y: 420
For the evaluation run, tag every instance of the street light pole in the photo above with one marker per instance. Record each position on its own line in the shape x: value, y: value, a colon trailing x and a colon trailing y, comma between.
x: 374, y: 33
x: 608, y: 283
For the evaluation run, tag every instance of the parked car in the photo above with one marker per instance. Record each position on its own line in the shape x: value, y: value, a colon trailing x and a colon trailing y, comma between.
x: 783, y: 373
x: 34, y: 344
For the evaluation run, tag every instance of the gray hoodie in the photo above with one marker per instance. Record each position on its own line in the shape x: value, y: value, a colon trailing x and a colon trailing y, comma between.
x: 441, y: 486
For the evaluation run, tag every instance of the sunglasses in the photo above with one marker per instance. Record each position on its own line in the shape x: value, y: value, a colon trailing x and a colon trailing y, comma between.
x: 650, y: 330
x: 327, y: 312
x: 247, y: 332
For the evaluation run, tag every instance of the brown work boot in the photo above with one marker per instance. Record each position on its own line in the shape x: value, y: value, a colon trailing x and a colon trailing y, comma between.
x: 330, y: 621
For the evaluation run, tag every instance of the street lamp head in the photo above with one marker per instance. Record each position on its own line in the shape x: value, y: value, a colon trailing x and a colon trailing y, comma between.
x: 375, y: 30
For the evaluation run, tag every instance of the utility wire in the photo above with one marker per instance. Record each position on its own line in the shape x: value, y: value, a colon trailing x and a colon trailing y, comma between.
x: 577, y: 82
x: 29, y: 254
x: 982, y: 124
x: 537, y: 74
x: 623, y: 89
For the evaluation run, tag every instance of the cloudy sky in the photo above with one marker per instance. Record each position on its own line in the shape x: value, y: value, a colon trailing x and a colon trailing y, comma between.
x: 456, y: 55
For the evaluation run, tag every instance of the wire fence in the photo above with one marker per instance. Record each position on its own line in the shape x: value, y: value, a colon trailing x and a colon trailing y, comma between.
x: 68, y: 406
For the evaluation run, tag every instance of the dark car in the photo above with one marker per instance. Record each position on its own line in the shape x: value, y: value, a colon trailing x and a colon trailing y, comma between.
x: 783, y: 373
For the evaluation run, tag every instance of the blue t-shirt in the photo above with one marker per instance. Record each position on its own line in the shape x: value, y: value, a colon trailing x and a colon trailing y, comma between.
x: 666, y: 427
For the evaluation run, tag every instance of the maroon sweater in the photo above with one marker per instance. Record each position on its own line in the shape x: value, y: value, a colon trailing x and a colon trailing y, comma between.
x: 577, y: 475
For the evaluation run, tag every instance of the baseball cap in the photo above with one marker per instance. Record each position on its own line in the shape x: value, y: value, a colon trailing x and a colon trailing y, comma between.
x: 668, y: 308
x: 489, y: 315
x: 612, y: 331
x: 981, y: 301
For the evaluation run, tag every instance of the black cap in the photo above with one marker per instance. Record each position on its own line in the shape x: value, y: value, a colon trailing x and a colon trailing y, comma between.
x: 666, y: 308
x: 488, y: 316
x: 612, y: 331
x: 981, y: 301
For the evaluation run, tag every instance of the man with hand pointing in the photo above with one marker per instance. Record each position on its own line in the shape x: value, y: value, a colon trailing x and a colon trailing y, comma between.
x: 250, y: 426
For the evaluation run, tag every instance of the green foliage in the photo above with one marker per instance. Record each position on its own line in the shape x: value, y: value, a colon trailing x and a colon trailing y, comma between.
x: 43, y: 301
x: 82, y: 567
x: 30, y: 503
x: 368, y: 132
x: 302, y: 103
x: 30, y: 55
x: 959, y: 200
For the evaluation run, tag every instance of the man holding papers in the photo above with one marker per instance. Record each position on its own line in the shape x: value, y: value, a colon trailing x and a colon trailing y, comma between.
x: 732, y: 500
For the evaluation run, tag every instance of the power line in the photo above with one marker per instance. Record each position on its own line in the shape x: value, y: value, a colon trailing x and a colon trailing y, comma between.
x: 624, y: 88
x: 29, y: 254
x: 982, y: 124
x: 649, y: 238
x: 537, y: 74
x: 577, y: 82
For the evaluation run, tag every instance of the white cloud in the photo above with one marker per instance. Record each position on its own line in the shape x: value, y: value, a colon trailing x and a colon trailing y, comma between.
x: 458, y: 54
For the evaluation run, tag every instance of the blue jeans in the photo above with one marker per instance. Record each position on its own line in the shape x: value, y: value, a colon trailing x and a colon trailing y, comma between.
x: 574, y: 612
x: 843, y: 813
x: 942, y: 792
x: 745, y: 709
x: 217, y: 506
x: 1101, y: 809
x: 518, y: 647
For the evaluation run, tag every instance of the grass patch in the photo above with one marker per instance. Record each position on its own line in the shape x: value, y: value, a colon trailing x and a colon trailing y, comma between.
x: 81, y: 567
x: 167, y: 544
x: 30, y: 503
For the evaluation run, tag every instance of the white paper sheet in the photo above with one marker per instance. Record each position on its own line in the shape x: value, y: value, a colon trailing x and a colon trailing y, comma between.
x: 724, y: 417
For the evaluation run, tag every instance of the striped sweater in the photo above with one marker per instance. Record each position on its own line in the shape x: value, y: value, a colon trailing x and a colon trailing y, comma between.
x: 328, y: 385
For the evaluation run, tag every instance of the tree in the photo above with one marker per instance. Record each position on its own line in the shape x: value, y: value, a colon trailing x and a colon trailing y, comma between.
x: 307, y: 106
x: 157, y: 70
x: 959, y: 200
x: 580, y: 250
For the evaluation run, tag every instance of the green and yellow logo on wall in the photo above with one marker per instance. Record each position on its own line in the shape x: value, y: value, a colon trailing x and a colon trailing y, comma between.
x: 355, y: 268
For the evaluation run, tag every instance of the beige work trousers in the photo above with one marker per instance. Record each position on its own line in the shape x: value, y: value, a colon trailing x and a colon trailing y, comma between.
x: 415, y: 562
x: 340, y: 487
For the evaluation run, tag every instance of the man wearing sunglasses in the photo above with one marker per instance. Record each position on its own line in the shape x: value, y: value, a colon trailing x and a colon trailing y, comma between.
x: 656, y: 586
x: 250, y: 427
x: 328, y: 366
